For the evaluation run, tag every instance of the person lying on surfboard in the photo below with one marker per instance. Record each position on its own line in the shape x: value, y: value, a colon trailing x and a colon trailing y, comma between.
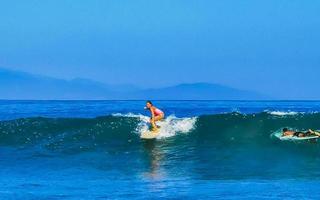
x: 156, y: 115
x: 290, y: 133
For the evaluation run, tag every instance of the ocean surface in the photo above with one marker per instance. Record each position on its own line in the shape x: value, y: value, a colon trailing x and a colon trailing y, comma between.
x: 205, y: 150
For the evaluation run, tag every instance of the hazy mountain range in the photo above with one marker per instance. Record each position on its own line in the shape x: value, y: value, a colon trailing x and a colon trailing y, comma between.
x: 21, y: 85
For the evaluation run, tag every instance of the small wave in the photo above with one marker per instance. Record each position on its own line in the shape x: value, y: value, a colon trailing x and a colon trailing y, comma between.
x: 119, y: 130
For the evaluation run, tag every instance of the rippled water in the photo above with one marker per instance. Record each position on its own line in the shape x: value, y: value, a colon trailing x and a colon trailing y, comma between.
x: 206, y: 149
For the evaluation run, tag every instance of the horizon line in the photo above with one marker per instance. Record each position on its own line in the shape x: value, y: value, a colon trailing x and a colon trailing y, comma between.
x: 243, y: 100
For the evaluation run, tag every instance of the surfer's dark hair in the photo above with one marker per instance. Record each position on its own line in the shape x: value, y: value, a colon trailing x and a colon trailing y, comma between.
x: 285, y: 129
x: 150, y: 102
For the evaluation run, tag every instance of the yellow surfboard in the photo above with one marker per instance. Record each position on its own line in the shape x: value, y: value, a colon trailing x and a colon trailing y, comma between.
x: 150, y: 134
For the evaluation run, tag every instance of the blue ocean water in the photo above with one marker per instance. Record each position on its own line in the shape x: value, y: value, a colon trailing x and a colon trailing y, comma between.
x: 206, y: 149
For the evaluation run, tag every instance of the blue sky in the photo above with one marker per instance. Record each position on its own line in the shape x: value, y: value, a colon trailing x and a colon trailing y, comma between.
x: 267, y: 46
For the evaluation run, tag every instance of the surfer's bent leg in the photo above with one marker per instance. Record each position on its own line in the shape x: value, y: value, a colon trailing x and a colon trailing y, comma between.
x: 154, y: 120
x: 158, y: 118
x: 153, y: 124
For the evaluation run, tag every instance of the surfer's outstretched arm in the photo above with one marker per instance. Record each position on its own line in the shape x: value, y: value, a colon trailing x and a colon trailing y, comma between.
x: 314, y: 132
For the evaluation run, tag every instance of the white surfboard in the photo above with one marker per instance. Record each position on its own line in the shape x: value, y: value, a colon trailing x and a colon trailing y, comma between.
x: 150, y: 134
x: 298, y: 138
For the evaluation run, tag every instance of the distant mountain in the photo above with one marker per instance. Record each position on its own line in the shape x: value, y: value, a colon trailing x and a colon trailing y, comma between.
x: 21, y: 85
x: 200, y: 91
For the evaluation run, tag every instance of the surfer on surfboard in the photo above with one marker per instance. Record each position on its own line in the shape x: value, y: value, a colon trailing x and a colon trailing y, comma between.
x: 156, y: 115
x: 287, y: 132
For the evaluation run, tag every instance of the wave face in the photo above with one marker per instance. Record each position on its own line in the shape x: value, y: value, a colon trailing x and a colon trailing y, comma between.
x: 68, y: 133
x: 57, y: 133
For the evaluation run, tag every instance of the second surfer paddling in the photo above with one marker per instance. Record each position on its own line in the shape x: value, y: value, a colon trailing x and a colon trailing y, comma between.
x: 156, y: 115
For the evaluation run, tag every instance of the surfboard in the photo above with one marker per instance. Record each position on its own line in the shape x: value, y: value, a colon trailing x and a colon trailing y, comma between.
x: 294, y: 138
x: 150, y: 134
x: 298, y: 138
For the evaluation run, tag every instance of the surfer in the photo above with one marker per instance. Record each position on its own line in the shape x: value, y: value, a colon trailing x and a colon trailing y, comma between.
x: 156, y: 115
x: 291, y: 133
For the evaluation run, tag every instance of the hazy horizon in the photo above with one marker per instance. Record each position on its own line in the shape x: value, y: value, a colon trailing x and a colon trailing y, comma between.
x: 21, y: 85
x: 105, y: 82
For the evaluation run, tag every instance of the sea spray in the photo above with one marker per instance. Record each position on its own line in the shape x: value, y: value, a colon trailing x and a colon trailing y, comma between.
x: 170, y: 126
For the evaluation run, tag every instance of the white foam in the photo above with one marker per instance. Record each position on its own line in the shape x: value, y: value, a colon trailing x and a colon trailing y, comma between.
x: 172, y: 125
x: 169, y: 127
x: 281, y: 113
x: 127, y: 115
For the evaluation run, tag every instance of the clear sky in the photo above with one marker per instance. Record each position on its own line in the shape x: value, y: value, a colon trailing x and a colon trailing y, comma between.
x: 269, y: 46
